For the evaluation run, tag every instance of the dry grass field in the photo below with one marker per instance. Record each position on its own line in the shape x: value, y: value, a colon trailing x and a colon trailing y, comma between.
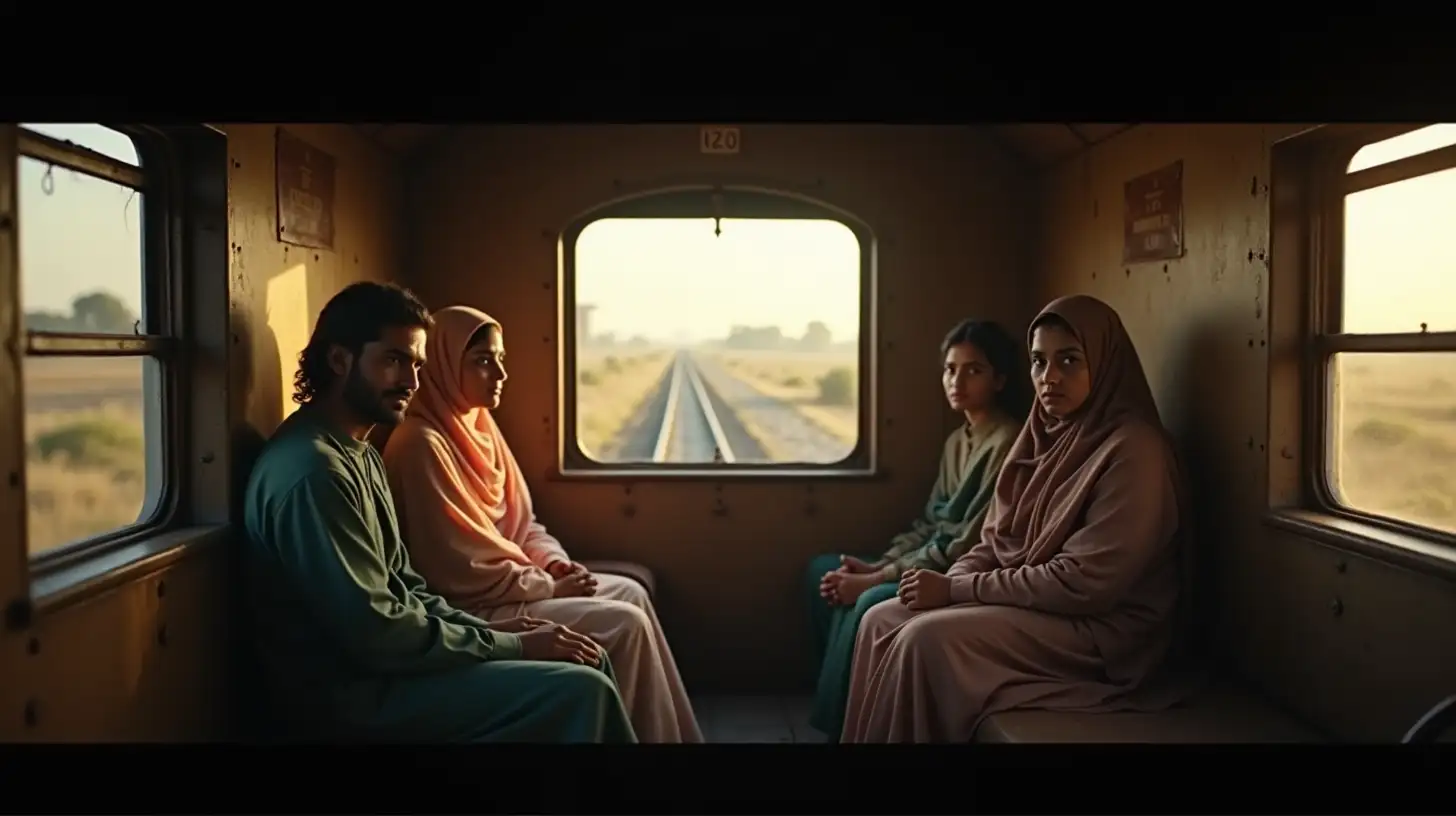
x: 611, y: 384
x: 85, y: 448
x: 821, y: 386
x: 1396, y: 425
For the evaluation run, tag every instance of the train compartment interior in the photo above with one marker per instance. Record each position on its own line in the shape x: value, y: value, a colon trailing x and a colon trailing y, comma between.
x: 723, y: 347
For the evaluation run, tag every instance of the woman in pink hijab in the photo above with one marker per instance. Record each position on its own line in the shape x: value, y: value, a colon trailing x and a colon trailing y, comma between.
x: 1069, y: 600
x: 471, y: 531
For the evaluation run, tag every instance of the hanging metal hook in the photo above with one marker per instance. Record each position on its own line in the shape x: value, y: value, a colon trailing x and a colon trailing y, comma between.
x: 48, y: 181
x: 717, y: 213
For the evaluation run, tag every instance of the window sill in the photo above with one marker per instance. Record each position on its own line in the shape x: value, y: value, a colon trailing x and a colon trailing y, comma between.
x: 1363, y: 538
x: 88, y: 577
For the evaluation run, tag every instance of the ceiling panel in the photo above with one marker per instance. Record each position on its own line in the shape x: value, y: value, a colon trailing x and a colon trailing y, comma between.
x: 1039, y: 143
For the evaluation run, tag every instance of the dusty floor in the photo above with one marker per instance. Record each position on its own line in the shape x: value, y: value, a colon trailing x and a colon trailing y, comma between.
x: 755, y: 719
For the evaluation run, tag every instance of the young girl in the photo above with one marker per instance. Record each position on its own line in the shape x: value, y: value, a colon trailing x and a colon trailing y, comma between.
x: 982, y: 379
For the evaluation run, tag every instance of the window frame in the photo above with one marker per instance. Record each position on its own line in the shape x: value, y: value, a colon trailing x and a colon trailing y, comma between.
x: 1331, y: 184
x: 154, y: 178
x: 722, y: 201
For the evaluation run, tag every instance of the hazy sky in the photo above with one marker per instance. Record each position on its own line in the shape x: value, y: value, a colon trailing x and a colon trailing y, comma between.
x: 672, y: 278
x: 1400, y: 242
x: 86, y: 235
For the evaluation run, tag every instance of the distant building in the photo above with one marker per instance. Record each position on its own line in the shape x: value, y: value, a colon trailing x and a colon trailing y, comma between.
x: 583, y: 323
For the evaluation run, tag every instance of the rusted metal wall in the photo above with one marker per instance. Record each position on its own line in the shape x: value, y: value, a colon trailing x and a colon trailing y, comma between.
x: 486, y: 206
x: 149, y: 660
x: 1365, y: 667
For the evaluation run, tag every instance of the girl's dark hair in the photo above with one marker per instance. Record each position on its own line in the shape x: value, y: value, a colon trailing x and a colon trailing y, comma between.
x: 355, y: 316
x: 1004, y: 354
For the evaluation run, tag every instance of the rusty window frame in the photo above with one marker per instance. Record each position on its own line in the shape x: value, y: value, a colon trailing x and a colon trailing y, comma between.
x: 727, y: 201
x: 154, y: 177
x: 1331, y: 184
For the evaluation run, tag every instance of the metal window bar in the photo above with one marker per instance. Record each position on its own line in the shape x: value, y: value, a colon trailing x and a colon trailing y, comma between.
x: 83, y: 160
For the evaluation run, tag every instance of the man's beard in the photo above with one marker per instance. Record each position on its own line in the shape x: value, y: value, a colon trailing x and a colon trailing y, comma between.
x: 369, y: 404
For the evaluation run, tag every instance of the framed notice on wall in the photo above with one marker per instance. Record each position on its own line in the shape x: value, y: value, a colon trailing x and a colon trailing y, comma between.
x: 1153, y: 216
x: 305, y: 193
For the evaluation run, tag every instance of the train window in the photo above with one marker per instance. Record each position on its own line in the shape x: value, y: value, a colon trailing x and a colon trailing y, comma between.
x: 724, y: 343
x: 1391, y: 369
x: 95, y: 357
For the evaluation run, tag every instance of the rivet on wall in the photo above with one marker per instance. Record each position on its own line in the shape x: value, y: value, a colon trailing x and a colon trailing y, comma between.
x: 1341, y: 566
x: 1337, y: 606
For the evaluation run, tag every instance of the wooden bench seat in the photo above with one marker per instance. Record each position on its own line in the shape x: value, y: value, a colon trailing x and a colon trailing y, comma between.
x: 1224, y: 712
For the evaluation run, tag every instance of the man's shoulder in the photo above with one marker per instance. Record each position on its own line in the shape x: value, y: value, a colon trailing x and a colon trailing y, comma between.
x: 299, y: 452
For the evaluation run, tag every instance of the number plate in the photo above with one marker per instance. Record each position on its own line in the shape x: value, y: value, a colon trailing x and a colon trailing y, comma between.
x: 723, y: 140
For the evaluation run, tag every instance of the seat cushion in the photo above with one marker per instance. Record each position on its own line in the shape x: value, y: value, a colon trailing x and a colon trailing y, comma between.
x: 626, y: 569
x: 1224, y: 711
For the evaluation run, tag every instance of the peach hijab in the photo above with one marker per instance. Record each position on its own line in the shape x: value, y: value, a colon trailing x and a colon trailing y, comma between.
x: 462, y: 499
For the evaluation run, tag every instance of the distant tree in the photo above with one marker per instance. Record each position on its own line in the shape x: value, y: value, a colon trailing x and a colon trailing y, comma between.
x: 102, y: 312
x: 817, y: 337
x: 755, y: 337
x: 48, y: 321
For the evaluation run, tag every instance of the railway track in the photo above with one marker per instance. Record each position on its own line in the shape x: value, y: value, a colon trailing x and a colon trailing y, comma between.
x: 699, y: 413
x: 689, y: 429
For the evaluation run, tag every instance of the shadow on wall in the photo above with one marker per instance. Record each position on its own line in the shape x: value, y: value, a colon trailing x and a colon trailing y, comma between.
x: 255, y: 378
x: 1198, y: 416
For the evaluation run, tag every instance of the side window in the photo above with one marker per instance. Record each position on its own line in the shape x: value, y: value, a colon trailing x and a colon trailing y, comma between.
x: 94, y: 279
x: 726, y: 343
x: 1390, y: 338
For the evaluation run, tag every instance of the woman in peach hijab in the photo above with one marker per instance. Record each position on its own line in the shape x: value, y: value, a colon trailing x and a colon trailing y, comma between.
x: 471, y: 531
x: 1069, y: 600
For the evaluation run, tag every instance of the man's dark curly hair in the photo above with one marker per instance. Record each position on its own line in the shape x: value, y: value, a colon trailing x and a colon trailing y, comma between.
x: 355, y: 316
